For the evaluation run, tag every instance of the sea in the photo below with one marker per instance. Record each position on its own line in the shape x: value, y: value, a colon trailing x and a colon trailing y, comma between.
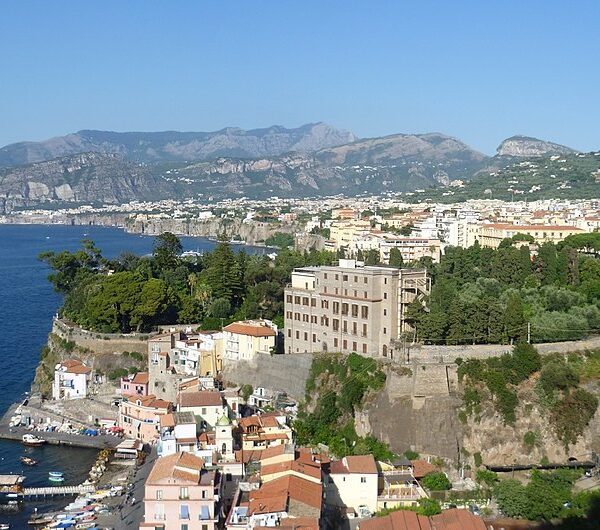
x: 26, y: 310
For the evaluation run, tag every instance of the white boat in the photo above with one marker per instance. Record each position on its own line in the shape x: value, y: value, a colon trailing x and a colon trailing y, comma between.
x: 32, y: 440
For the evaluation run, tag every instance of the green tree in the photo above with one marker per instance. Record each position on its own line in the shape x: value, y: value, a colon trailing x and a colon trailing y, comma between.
x: 396, y: 257
x: 167, y: 247
x: 436, y: 481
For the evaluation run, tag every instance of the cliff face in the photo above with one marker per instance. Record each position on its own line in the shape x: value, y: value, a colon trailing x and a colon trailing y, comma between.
x: 89, y: 177
x: 525, y: 146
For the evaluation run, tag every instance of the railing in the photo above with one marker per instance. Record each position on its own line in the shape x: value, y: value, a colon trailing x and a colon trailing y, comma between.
x: 160, y: 517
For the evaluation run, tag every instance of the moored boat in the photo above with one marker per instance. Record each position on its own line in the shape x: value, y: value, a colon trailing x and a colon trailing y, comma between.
x: 32, y: 440
x: 28, y: 461
x: 56, y: 476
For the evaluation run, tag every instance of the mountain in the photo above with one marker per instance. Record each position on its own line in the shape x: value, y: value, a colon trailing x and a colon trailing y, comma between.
x: 179, y: 146
x: 525, y: 146
x: 82, y: 178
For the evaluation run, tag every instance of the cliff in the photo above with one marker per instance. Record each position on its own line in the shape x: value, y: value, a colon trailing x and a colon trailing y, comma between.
x: 526, y: 146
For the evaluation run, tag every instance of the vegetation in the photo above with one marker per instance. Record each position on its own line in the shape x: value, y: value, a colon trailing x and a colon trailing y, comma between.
x: 343, y: 384
x: 484, y: 295
x: 436, y: 481
x: 281, y: 240
x: 547, y: 495
x: 133, y: 293
x: 425, y: 506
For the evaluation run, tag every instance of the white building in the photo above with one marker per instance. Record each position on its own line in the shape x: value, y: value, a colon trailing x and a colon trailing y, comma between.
x: 206, y: 405
x: 353, y: 482
x: 177, y: 433
x: 71, y: 380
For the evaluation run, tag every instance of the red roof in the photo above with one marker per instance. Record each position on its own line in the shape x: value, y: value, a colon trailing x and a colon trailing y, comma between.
x: 253, y: 329
x: 359, y: 464
x: 203, y: 398
x: 454, y: 519
x: 73, y: 366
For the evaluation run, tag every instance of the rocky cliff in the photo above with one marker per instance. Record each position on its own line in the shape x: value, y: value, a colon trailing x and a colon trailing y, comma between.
x: 525, y: 146
x: 88, y: 177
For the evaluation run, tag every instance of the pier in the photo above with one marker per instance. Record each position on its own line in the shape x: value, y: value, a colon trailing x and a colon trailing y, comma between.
x: 54, y: 491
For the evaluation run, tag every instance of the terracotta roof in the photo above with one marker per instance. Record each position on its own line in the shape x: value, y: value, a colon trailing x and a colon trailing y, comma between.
x: 291, y: 466
x: 149, y: 401
x: 454, y: 519
x: 73, y: 366
x: 245, y: 456
x: 203, y: 398
x: 252, y: 329
x: 141, y: 378
x: 275, y: 493
x: 183, y: 466
x: 359, y: 464
x: 421, y: 468
x: 167, y: 420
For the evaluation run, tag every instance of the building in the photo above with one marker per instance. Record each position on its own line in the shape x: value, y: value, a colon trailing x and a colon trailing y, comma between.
x: 263, y: 431
x: 412, y: 248
x: 135, y: 385
x: 397, y: 486
x: 350, y: 308
x: 206, y: 405
x: 177, y: 433
x: 353, y: 483
x: 178, y: 356
x: 139, y: 416
x: 245, y: 339
x: 491, y: 235
x: 71, y: 380
x: 454, y: 519
x: 180, y: 493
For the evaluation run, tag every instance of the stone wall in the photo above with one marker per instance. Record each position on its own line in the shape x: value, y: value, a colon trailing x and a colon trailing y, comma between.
x: 100, y: 342
x: 281, y: 373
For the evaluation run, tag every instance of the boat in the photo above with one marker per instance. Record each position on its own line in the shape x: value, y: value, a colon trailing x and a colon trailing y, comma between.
x: 56, y: 473
x: 4, y: 526
x: 28, y: 461
x: 32, y: 440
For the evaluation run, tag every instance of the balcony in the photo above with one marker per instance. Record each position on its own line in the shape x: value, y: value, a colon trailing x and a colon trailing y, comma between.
x: 160, y: 517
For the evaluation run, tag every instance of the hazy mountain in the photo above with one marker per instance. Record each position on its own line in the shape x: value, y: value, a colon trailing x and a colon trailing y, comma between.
x: 525, y: 146
x: 179, y: 146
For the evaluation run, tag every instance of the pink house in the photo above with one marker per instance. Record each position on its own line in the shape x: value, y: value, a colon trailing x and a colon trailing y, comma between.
x: 139, y: 416
x: 181, y: 493
x: 135, y: 385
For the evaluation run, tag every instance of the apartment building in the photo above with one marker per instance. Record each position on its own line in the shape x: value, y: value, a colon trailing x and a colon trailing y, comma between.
x: 491, y: 235
x: 350, y: 307
x: 245, y: 339
x: 411, y: 248
x: 181, y: 493
x: 139, y: 416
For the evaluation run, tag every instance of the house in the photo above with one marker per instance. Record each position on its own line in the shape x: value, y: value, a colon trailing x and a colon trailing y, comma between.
x: 71, y: 380
x: 206, y: 405
x: 262, y: 431
x: 177, y: 433
x: 286, y: 502
x: 397, y: 486
x: 245, y: 339
x: 353, y: 482
x: 181, y: 493
x: 454, y: 519
x: 139, y: 416
x: 135, y: 385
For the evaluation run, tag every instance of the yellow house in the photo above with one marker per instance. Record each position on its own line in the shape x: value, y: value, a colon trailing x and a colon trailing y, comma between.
x: 245, y: 339
x: 491, y: 235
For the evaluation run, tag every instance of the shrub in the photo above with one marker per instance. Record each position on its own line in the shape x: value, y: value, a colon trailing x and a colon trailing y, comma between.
x: 530, y: 439
x: 411, y: 455
x: 117, y: 373
x: 572, y: 414
x: 477, y: 459
x: 436, y: 481
x: 489, y: 478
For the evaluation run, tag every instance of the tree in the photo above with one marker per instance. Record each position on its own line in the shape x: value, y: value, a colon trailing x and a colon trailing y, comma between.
x: 514, y: 318
x: 396, y: 257
x: 167, y: 247
x: 372, y: 257
x: 436, y: 481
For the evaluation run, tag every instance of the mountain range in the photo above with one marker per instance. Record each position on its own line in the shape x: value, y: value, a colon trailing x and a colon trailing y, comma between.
x: 314, y: 159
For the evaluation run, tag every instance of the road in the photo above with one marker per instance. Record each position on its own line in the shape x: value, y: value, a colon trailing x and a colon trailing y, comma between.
x: 132, y: 516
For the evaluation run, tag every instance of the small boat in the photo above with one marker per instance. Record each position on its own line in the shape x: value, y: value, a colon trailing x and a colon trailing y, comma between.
x: 56, y: 473
x: 56, y: 476
x: 28, y: 461
x: 4, y: 526
x: 32, y: 440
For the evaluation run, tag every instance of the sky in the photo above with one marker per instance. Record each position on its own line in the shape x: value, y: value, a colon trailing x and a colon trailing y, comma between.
x: 477, y: 70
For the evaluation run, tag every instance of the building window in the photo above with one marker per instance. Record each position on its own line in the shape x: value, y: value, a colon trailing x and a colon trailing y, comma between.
x: 183, y: 527
x: 384, y: 350
x: 336, y: 308
x: 297, y: 300
x: 335, y: 343
x: 289, y: 298
x: 385, y: 296
x: 159, y: 495
x: 364, y: 330
x: 364, y: 348
x: 314, y: 337
x: 325, y: 276
x: 385, y: 312
x: 305, y: 335
x: 363, y: 480
x: 290, y: 333
x: 336, y: 324
x: 204, y: 491
x: 345, y: 277
x: 325, y: 289
x: 345, y: 344
x: 384, y: 331
x: 183, y: 491
x: 344, y: 309
x: 345, y: 326
x: 385, y: 281
x: 364, y: 311
x: 365, y: 280
x: 337, y: 276
x: 355, y: 310
x: 313, y: 302
x: 305, y: 301
x: 356, y: 279
x: 297, y: 335
x: 354, y: 347
x: 354, y: 331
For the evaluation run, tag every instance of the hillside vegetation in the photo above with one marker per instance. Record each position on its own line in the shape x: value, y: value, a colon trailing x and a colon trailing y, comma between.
x: 482, y: 295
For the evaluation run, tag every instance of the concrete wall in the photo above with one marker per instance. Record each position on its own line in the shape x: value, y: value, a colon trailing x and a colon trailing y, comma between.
x: 100, y: 342
x: 281, y: 373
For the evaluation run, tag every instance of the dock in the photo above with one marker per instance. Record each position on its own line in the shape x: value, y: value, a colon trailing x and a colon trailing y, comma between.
x: 54, y: 491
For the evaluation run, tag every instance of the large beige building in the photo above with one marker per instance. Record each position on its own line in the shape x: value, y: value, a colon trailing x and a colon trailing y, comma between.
x: 491, y: 235
x: 350, y: 307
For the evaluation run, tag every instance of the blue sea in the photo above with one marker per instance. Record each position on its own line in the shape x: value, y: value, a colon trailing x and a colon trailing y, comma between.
x: 28, y: 304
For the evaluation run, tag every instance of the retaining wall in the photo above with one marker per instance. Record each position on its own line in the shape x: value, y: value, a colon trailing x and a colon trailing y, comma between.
x: 100, y: 342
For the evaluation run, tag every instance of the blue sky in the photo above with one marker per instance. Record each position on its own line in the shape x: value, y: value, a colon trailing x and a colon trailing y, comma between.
x: 478, y: 70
